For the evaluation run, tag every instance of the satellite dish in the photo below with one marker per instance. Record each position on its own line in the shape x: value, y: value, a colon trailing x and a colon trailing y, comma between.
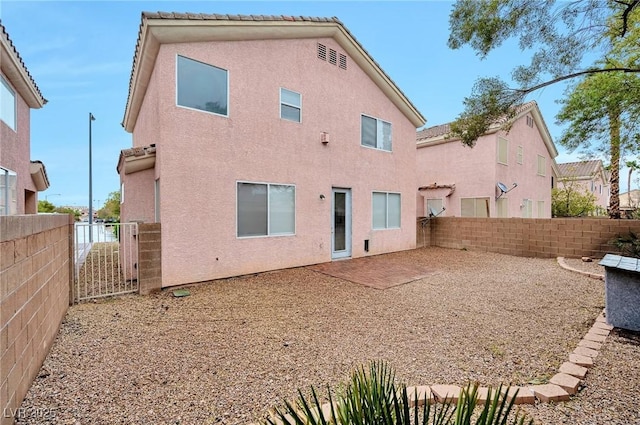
x: 502, y: 187
x: 432, y: 212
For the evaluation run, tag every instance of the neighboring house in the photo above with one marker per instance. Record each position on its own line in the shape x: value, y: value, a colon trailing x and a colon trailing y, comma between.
x: 265, y: 142
x: 20, y: 178
x: 587, y: 176
x: 629, y: 202
x: 506, y: 174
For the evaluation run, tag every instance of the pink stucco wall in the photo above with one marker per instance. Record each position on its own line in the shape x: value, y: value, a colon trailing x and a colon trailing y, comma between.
x: 15, y: 154
x: 201, y: 157
x: 475, y: 172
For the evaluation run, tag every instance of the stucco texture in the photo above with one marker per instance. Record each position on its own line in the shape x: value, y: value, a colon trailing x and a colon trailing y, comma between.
x: 201, y: 157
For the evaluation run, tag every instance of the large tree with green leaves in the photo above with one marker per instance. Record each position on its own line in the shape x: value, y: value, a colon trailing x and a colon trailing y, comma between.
x: 556, y: 33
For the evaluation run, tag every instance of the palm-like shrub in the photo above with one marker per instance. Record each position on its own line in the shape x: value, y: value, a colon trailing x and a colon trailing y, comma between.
x: 371, y: 398
x: 628, y: 244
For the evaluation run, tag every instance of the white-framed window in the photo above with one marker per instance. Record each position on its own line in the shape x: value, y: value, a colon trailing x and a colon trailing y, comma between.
x: 474, y: 207
x: 542, y: 165
x: 527, y: 208
x: 502, y: 207
x: 434, y: 206
x: 8, y: 192
x: 519, y: 154
x: 503, y: 151
x: 375, y: 133
x: 385, y: 210
x: 202, y: 86
x: 7, y: 104
x: 121, y: 193
x: 541, y: 211
x: 290, y: 105
x: 265, y: 209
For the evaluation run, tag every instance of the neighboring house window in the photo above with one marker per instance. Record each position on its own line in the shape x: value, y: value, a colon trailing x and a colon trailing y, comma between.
x: 541, y: 211
x: 542, y: 165
x: 386, y: 210
x: 8, y: 192
x: 503, y: 151
x: 435, y: 205
x: 502, y: 209
x: 474, y: 207
x: 202, y: 86
x: 290, y: 105
x: 266, y: 209
x: 375, y: 133
x: 527, y: 208
x: 7, y: 104
x: 593, y: 186
x: 519, y: 155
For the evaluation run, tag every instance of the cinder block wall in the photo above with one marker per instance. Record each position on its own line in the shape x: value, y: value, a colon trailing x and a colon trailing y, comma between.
x: 546, y: 238
x: 149, y: 257
x: 35, y: 277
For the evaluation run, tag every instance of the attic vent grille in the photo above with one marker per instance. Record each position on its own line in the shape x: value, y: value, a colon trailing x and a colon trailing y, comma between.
x: 343, y: 61
x: 529, y: 121
x: 322, y: 52
x: 332, y: 57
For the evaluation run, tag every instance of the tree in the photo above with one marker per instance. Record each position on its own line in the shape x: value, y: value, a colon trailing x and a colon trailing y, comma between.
x: 558, y: 33
x: 46, y: 207
x: 111, y: 208
x: 570, y: 201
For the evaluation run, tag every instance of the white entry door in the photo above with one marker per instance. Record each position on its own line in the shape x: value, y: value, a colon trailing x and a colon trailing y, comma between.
x: 340, y: 223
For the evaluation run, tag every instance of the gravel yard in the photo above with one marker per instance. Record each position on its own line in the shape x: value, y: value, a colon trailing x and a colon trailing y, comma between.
x: 236, y: 347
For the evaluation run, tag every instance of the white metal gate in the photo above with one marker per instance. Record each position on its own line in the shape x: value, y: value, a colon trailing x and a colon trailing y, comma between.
x: 105, y: 260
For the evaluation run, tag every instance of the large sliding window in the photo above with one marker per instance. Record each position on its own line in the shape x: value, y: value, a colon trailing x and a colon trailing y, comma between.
x: 7, y: 104
x: 474, y: 207
x: 202, y: 86
x: 375, y: 133
x: 8, y: 192
x: 266, y: 209
x: 386, y: 210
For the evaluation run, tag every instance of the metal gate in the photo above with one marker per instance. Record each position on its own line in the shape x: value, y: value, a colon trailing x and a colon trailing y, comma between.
x: 105, y: 260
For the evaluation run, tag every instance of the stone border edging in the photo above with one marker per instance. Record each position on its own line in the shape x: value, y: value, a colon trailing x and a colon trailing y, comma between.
x: 588, y: 274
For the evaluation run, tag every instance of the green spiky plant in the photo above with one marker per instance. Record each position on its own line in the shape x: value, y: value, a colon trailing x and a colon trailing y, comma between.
x: 628, y: 244
x: 371, y: 398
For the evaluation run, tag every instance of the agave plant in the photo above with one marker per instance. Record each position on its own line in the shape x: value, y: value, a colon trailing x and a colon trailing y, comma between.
x: 372, y: 398
x: 628, y: 244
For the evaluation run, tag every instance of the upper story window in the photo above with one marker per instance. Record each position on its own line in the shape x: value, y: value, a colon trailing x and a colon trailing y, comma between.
x: 386, y: 210
x: 375, y: 133
x: 542, y: 165
x: 290, y: 105
x: 503, y: 151
x: 7, y: 104
x: 202, y: 86
x: 519, y: 155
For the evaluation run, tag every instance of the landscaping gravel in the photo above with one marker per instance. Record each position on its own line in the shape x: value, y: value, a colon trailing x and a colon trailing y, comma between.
x: 234, y: 348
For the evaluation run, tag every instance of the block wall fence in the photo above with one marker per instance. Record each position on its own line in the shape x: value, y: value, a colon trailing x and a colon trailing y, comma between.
x: 35, y: 284
x: 526, y: 237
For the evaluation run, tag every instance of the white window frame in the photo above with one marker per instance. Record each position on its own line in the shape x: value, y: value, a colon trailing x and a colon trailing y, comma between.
x: 268, y: 212
x: 387, y: 225
x: 520, y: 155
x: 379, y: 134
x: 504, y: 161
x: 437, y: 201
x: 542, y: 166
x: 8, y: 107
x: 197, y: 109
x: 541, y: 209
x: 484, y: 199
x: 291, y: 105
x: 527, y: 208
x: 8, y: 192
x: 502, y: 207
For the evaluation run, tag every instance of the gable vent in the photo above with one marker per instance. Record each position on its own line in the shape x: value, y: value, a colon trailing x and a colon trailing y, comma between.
x: 333, y: 59
x: 343, y: 61
x: 322, y: 52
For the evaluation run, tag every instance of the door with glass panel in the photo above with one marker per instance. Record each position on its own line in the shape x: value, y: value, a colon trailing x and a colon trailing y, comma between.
x: 341, y: 223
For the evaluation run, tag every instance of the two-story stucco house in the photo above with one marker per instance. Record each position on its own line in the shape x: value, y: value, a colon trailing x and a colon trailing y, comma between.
x: 20, y: 178
x: 506, y: 174
x: 587, y: 176
x: 265, y: 142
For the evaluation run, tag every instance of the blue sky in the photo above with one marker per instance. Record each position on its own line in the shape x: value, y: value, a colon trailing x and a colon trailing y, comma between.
x: 80, y: 55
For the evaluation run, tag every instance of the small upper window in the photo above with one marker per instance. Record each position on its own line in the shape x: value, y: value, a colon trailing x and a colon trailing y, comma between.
x: 202, y: 86
x: 375, y: 133
x: 7, y: 104
x: 519, y: 155
x: 290, y: 105
x: 542, y: 165
x: 503, y: 151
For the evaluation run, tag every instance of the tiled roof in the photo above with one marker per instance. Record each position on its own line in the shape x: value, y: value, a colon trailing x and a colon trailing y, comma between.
x: 444, y: 129
x: 251, y: 18
x: 579, y: 168
x: 13, y: 51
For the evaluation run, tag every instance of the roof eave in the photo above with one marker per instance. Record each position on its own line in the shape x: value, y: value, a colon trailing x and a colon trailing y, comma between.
x: 17, y: 74
x: 154, y: 32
